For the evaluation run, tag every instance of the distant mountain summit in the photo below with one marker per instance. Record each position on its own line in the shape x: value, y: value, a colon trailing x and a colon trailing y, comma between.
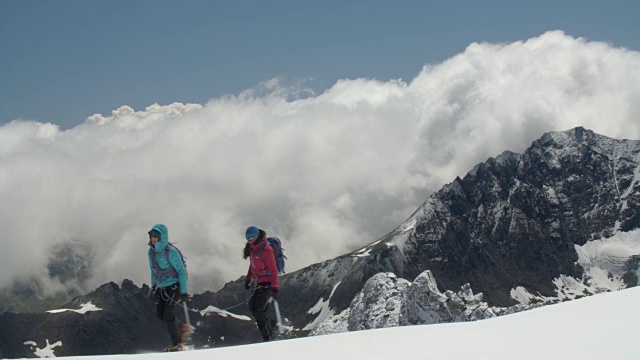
x: 522, y: 229
x: 516, y: 220
x: 514, y: 223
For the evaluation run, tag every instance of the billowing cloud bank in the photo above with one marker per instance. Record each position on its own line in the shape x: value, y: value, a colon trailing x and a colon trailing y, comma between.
x: 327, y: 173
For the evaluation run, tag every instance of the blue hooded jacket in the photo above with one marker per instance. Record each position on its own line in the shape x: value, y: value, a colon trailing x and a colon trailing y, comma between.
x: 175, y: 261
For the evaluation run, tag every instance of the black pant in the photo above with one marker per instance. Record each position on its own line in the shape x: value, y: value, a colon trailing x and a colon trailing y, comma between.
x: 259, y: 304
x: 166, y: 310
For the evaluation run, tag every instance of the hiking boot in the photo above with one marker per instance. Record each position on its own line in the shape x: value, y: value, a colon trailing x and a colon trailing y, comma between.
x: 275, y: 328
x: 173, y: 348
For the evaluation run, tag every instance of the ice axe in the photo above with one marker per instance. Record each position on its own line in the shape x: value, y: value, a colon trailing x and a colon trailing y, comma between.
x: 278, y: 318
x: 187, y: 329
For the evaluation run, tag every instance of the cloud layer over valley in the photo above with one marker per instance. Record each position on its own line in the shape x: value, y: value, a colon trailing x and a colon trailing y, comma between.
x: 327, y: 173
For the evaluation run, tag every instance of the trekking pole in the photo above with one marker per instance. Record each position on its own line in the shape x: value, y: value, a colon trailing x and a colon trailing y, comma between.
x: 278, y: 318
x: 187, y: 328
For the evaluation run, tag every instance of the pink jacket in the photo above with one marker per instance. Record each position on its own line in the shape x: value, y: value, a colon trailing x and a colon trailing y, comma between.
x: 265, y: 270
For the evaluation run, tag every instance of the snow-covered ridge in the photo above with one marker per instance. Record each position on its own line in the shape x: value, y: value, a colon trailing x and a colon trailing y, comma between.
x: 322, y: 309
x: 389, y: 301
x: 593, y: 328
x: 212, y: 309
x: 46, y: 352
x: 606, y: 263
x: 83, y: 309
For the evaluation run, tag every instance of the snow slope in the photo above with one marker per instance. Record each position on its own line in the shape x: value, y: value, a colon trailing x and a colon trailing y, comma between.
x: 597, y: 327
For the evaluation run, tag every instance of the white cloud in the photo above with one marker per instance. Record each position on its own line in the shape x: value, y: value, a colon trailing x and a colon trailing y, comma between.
x: 327, y: 173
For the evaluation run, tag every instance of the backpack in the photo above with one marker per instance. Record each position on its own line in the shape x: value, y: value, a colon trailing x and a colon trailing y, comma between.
x: 278, y: 252
x: 170, y: 271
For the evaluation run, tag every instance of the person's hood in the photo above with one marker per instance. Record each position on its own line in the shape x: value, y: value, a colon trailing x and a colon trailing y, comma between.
x: 162, y: 243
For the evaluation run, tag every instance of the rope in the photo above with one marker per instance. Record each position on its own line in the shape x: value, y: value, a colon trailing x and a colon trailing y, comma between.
x: 251, y: 290
x: 165, y: 296
x: 231, y: 307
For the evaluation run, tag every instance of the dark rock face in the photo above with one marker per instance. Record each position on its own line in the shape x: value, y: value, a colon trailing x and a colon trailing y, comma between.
x: 126, y: 324
x: 512, y: 221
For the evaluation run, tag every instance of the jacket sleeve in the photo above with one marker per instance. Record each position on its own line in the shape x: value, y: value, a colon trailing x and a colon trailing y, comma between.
x: 250, y: 271
x: 176, y: 261
x: 270, y: 260
x: 153, y: 280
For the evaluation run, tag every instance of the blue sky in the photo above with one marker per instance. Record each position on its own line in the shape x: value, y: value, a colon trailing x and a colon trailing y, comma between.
x: 63, y: 61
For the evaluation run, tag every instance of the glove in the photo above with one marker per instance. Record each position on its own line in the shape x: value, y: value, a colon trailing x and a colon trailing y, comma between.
x: 247, y: 285
x: 274, y: 293
x: 185, y: 298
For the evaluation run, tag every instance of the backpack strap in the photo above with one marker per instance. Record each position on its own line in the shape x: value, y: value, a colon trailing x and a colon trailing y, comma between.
x: 262, y: 247
x: 170, y: 271
x: 166, y: 252
x: 262, y: 257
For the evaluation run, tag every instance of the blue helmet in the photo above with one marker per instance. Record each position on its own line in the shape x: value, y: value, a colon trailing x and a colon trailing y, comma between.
x: 252, y: 233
